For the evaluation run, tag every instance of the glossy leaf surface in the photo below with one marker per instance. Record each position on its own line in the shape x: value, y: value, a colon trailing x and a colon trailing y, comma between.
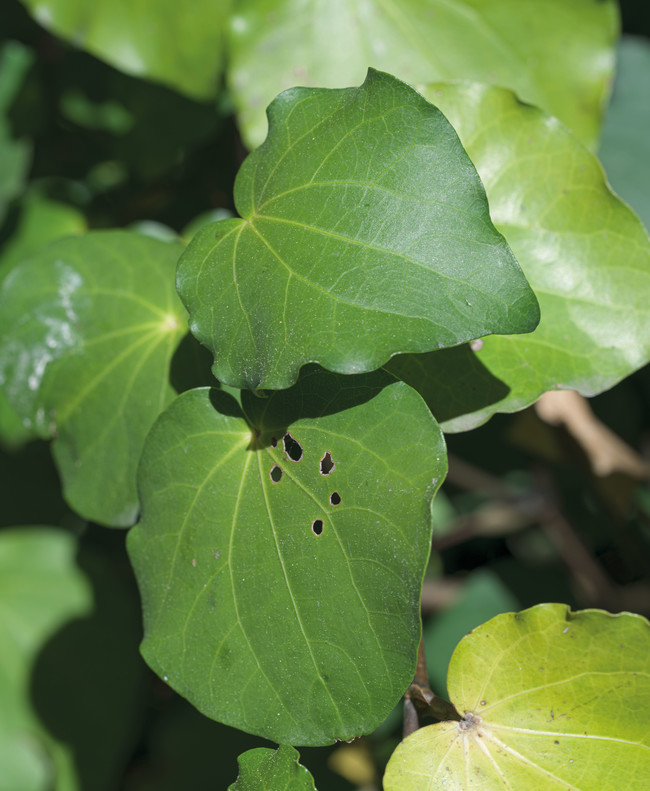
x: 41, y: 221
x: 557, y: 55
x: 180, y: 44
x: 88, y: 328
x: 551, y: 699
x: 263, y: 769
x: 40, y: 590
x: 281, y: 552
x: 625, y: 143
x: 364, y: 232
x: 585, y: 254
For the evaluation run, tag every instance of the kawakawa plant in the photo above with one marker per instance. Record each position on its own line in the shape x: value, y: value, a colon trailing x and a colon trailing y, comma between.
x: 404, y: 263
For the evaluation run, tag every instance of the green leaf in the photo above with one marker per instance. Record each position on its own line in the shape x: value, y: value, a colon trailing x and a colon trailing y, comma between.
x: 365, y: 232
x: 40, y: 590
x: 625, y: 144
x: 557, y: 55
x: 15, y: 60
x: 263, y: 769
x: 281, y: 552
x: 584, y: 252
x: 41, y: 220
x: 180, y: 44
x: 89, y: 684
x: 551, y: 699
x: 88, y: 328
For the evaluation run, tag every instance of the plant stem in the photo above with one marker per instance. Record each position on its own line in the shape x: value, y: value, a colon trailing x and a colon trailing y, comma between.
x: 420, y: 701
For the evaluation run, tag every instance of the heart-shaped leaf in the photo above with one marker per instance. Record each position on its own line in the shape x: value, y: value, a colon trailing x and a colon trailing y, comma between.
x: 586, y: 255
x: 365, y: 232
x: 263, y: 769
x: 550, y: 700
x: 180, y: 44
x: 557, y: 55
x: 88, y: 328
x: 281, y: 552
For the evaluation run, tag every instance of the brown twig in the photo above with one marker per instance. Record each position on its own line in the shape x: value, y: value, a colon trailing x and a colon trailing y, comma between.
x: 420, y: 701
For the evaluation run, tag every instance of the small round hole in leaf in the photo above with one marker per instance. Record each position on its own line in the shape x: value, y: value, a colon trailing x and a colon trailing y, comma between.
x: 276, y: 473
x: 274, y: 442
x: 317, y: 526
x: 292, y: 447
x: 335, y: 498
x: 326, y: 464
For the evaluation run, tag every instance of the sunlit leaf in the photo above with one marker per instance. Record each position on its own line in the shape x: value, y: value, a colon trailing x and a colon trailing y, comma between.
x: 558, y: 55
x: 281, y: 552
x: 364, y: 232
x: 550, y: 699
x: 88, y: 328
x: 585, y: 254
x: 263, y: 769
x: 180, y: 44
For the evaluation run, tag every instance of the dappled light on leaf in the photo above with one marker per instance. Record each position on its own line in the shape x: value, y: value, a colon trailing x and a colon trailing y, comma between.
x: 584, y: 252
x: 89, y: 326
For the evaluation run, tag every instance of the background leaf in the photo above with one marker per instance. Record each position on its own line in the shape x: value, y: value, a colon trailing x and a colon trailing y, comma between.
x: 585, y: 254
x: 179, y: 44
x: 41, y: 220
x: 263, y: 769
x: 40, y: 589
x: 625, y: 145
x: 280, y: 555
x: 551, y: 698
x: 88, y: 329
x: 365, y: 232
x: 15, y: 60
x: 554, y: 54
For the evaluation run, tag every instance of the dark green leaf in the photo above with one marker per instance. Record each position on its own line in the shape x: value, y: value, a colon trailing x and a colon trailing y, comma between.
x: 584, y: 252
x: 553, y: 53
x: 88, y: 328
x: 263, y: 769
x: 281, y: 552
x: 365, y: 232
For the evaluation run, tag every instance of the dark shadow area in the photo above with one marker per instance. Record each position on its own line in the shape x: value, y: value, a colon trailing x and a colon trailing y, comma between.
x: 317, y: 393
x: 191, y: 366
x: 31, y: 492
x: 453, y: 382
x: 88, y: 682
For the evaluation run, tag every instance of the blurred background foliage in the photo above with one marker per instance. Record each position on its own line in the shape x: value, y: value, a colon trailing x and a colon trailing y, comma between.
x: 530, y: 513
